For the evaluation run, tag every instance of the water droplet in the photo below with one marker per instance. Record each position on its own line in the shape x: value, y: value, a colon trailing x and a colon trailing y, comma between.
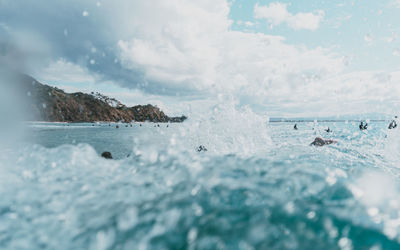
x: 311, y: 215
x: 368, y: 38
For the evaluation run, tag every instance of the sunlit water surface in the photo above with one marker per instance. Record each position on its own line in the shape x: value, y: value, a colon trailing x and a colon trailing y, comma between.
x: 160, y: 193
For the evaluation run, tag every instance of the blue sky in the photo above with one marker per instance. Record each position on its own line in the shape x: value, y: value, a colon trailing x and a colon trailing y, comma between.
x: 280, y: 58
x: 345, y: 25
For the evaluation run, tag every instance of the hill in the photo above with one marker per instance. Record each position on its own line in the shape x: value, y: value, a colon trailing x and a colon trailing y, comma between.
x: 46, y: 103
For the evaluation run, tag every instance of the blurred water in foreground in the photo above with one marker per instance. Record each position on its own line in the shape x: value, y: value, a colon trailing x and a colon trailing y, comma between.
x: 259, y: 186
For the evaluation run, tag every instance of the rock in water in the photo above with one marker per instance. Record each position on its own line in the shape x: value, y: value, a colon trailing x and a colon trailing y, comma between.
x: 106, y: 155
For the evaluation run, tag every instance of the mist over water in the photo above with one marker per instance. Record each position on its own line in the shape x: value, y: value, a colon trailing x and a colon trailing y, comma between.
x: 259, y: 186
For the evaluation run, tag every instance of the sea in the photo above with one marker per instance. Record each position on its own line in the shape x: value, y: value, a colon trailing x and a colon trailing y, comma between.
x: 259, y: 185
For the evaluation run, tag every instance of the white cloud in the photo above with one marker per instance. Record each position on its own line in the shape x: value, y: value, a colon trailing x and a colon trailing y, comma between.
x: 200, y: 51
x: 182, y: 46
x: 64, y: 71
x: 189, y: 48
x: 276, y: 13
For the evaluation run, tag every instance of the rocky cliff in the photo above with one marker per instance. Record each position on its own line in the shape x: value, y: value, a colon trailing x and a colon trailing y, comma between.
x: 51, y: 104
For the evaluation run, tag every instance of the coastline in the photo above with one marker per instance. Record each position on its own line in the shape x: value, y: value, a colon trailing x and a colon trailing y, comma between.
x: 47, y: 103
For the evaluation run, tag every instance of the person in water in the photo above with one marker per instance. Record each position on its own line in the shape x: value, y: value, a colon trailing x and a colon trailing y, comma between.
x: 295, y: 126
x: 318, y: 141
x: 201, y: 148
x: 328, y: 130
x: 106, y: 155
x: 393, y: 124
x: 363, y: 126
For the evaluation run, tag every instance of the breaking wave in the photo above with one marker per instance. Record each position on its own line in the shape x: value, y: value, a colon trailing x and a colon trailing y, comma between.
x: 227, y: 130
x: 259, y: 186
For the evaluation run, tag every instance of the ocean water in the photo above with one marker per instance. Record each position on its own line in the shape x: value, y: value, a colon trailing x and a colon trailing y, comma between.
x: 259, y: 186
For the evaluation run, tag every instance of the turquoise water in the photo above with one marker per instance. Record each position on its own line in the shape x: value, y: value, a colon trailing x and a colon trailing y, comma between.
x: 259, y: 186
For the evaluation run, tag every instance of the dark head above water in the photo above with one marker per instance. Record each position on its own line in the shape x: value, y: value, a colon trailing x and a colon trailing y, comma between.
x: 363, y: 126
x: 393, y: 124
x: 106, y: 155
x: 318, y: 141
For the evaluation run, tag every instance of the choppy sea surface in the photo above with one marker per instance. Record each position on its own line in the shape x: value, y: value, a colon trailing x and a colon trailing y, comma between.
x: 259, y: 186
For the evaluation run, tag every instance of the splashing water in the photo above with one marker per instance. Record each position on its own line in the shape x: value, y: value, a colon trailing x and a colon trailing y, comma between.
x: 259, y: 186
x: 228, y: 130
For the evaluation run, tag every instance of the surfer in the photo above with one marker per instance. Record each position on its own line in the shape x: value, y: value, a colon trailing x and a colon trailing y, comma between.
x: 201, y: 148
x: 318, y: 141
x: 363, y: 126
x: 328, y: 130
x: 393, y: 124
x: 295, y: 126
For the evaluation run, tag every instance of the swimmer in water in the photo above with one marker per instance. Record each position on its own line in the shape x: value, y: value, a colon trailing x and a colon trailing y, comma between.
x: 106, y: 155
x: 201, y: 148
x: 295, y: 126
x: 328, y: 130
x: 318, y: 141
x: 363, y: 126
x: 393, y: 124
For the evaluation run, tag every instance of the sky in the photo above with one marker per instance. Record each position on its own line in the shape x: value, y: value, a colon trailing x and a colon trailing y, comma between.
x: 280, y: 58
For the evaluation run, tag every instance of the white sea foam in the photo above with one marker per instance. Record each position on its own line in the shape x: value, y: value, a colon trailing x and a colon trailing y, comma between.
x: 226, y: 129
